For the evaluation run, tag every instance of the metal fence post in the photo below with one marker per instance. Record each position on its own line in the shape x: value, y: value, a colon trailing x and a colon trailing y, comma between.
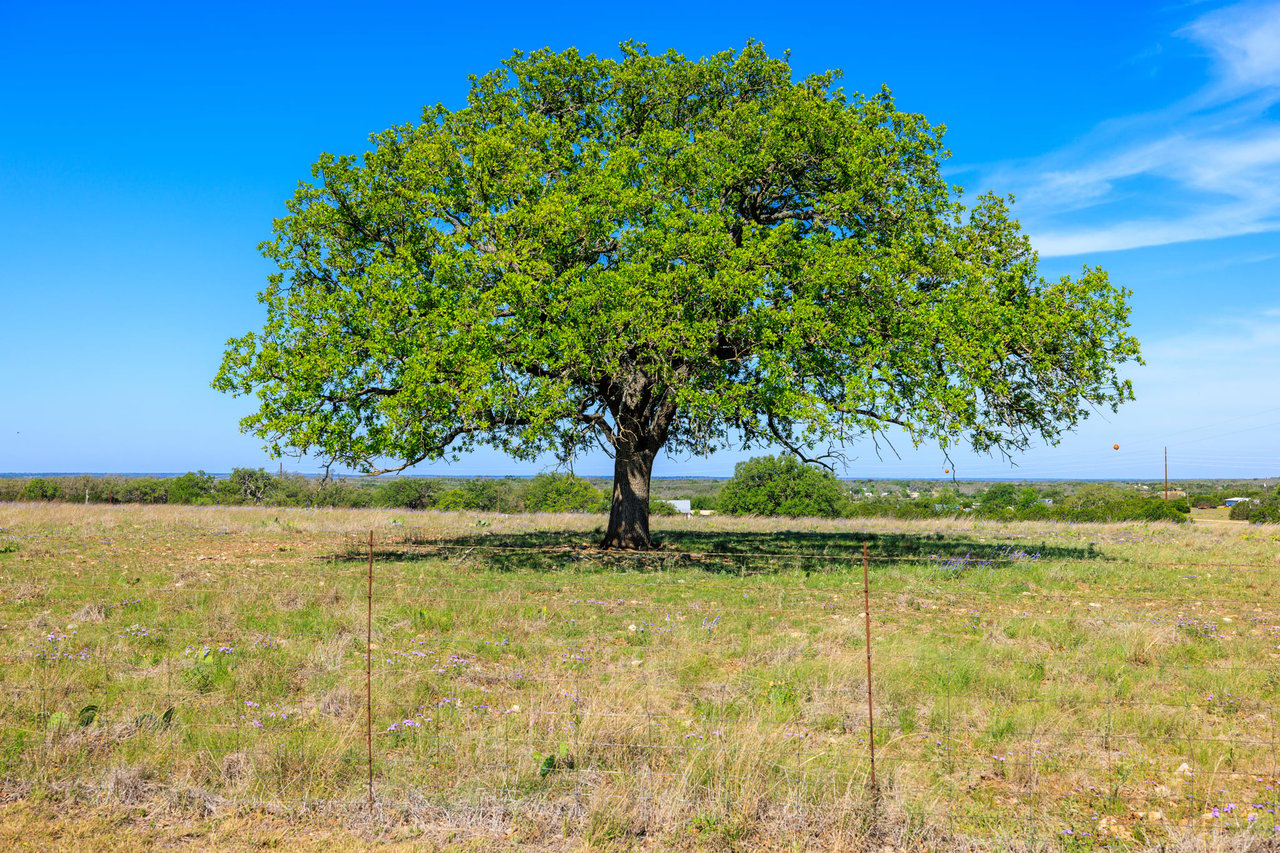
x: 368, y: 672
x: 866, y: 607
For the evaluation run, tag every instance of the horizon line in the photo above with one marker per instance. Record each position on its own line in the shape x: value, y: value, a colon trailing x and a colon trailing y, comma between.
x: 13, y: 475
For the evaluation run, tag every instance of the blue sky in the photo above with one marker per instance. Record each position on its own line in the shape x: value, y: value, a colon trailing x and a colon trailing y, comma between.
x: 144, y: 149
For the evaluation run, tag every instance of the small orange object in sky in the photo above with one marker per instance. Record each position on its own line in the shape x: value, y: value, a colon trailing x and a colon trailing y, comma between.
x: 1115, y: 447
x: 946, y: 470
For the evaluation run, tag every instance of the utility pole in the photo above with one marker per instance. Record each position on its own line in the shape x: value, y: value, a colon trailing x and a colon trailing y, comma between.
x: 1166, y: 474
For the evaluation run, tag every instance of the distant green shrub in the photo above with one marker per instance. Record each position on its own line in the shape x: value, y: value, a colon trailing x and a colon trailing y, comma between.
x: 1263, y: 510
x: 1242, y: 510
x: 1162, y: 510
x: 1089, y: 498
x: 143, y: 490
x: 407, y: 492
x: 453, y: 500
x: 1266, y: 514
x: 105, y: 489
x: 897, y: 508
x: 998, y: 499
x: 191, y: 488
x: 342, y: 494
x: 1131, y: 508
x: 1035, y: 512
x: 245, y: 486
x: 561, y: 493
x: 783, y: 485
x: 485, y: 494
x: 291, y: 489
x: 661, y: 507
x: 41, y: 489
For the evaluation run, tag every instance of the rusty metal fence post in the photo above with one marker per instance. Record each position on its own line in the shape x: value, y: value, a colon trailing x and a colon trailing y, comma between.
x: 866, y: 608
x: 368, y: 672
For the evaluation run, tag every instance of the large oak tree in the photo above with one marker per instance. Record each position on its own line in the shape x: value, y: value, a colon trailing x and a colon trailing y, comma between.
x: 652, y: 253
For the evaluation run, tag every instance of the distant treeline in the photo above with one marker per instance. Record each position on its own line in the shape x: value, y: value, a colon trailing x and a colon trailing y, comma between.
x: 1079, y: 502
x: 256, y: 486
x: 785, y: 486
x: 768, y: 486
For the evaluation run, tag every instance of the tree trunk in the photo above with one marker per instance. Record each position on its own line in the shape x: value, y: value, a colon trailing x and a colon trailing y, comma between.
x: 629, y: 512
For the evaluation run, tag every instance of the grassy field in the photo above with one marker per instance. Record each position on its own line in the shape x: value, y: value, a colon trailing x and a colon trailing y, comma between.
x: 1216, y: 514
x: 196, y: 677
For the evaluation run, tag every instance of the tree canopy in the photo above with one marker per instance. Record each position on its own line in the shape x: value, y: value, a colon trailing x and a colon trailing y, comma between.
x: 652, y: 252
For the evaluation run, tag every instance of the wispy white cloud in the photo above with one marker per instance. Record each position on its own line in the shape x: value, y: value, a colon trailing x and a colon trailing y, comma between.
x: 1245, y: 39
x: 1224, y: 346
x: 1205, y: 167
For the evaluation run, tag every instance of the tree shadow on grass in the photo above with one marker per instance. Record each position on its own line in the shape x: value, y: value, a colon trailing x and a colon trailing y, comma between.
x: 734, y: 552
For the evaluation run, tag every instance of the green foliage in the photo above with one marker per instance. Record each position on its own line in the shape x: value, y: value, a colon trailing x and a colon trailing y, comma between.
x: 1007, y: 502
x: 1087, y: 501
x: 896, y: 508
x: 562, y: 493
x: 40, y: 489
x: 656, y: 252
x: 1242, y: 510
x: 410, y: 493
x: 106, y: 489
x: 560, y: 759
x: 1155, y: 509
x: 288, y: 490
x: 999, y: 497
x: 1088, y: 497
x: 482, y: 494
x: 143, y: 490
x: 1264, y: 510
x: 153, y: 722
x: 948, y: 501
x: 661, y: 507
x: 1266, y: 514
x: 783, y: 485
x: 191, y: 488
x: 340, y: 494
x: 1098, y: 502
x: 245, y: 486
